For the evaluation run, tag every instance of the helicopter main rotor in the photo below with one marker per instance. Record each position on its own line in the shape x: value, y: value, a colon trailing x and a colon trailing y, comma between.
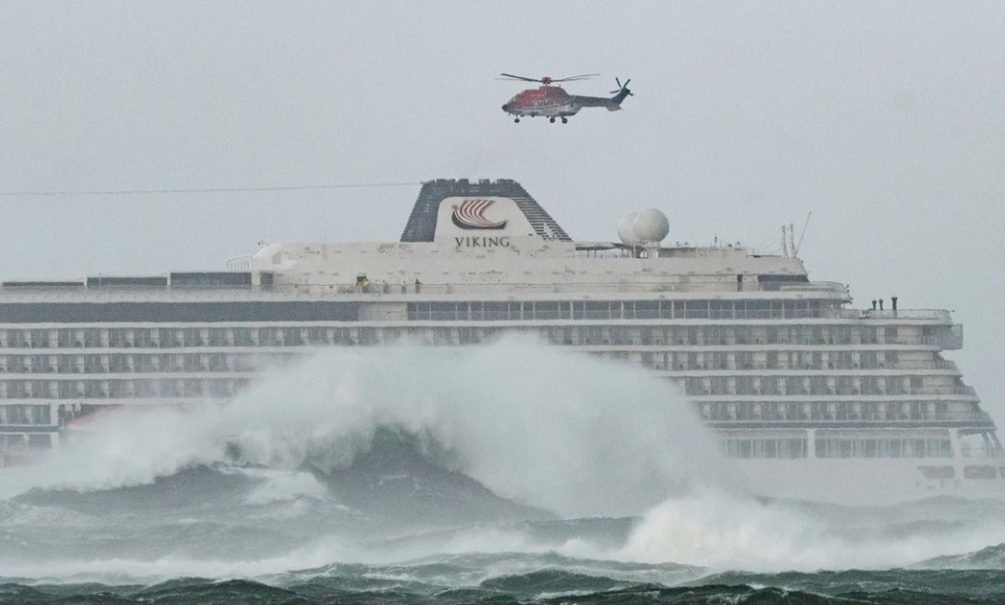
x: 547, y: 80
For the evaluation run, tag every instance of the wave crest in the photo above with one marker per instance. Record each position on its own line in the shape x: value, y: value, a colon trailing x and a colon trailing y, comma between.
x: 542, y: 426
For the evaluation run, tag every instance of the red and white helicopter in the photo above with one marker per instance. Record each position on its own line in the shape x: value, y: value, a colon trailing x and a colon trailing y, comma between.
x: 553, y: 102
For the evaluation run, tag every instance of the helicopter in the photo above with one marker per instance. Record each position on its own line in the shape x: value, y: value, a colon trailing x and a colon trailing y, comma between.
x: 553, y: 102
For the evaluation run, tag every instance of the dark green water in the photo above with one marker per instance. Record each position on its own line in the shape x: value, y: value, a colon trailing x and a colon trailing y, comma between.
x: 397, y: 526
x: 444, y: 582
x: 199, y: 537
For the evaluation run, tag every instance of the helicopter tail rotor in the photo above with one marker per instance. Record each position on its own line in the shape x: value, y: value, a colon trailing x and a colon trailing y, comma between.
x: 619, y: 95
x: 622, y: 87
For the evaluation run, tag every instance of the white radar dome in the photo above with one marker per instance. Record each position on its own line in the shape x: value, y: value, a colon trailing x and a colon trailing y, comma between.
x: 626, y: 230
x: 651, y: 225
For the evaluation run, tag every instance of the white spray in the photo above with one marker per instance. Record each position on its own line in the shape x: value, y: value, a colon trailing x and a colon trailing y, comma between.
x: 545, y: 427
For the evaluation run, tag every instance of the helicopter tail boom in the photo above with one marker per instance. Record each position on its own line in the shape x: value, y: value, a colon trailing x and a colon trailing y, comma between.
x: 612, y: 103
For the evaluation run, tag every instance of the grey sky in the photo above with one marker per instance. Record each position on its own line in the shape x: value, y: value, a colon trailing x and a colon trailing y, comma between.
x: 884, y: 119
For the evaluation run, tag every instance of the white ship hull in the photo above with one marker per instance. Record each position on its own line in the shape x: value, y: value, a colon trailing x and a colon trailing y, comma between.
x: 869, y: 482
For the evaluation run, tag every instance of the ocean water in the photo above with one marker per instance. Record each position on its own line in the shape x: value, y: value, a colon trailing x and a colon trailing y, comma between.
x: 511, y: 473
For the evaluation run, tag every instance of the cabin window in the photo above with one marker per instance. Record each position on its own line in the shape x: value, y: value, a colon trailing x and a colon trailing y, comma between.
x: 938, y: 472
x: 980, y: 472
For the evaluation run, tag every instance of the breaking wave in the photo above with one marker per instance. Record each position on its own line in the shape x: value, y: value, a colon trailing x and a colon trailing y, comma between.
x: 543, y: 427
x: 722, y: 531
x: 472, y: 452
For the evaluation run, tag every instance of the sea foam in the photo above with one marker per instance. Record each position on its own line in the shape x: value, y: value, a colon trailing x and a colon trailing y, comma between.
x: 536, y: 424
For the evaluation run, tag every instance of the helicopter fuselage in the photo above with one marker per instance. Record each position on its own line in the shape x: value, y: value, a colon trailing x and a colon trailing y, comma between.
x: 554, y: 102
x: 546, y: 101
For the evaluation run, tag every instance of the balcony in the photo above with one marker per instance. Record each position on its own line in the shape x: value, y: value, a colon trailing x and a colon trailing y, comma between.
x: 740, y: 413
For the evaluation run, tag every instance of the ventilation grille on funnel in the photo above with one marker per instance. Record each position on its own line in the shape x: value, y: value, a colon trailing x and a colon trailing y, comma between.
x: 421, y: 225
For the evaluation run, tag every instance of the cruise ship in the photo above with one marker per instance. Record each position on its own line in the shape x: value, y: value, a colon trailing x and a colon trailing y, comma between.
x: 812, y: 397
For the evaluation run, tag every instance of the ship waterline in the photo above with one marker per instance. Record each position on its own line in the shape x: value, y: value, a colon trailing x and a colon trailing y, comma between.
x: 807, y: 394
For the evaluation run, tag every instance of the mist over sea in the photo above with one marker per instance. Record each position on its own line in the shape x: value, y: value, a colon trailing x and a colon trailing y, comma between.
x: 506, y: 473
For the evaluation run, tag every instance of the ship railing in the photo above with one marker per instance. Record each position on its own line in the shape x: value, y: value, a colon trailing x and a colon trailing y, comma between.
x: 940, y: 315
x: 783, y: 367
x: 76, y: 290
x: 963, y: 390
x: 936, y: 341
x: 739, y: 314
x: 953, y: 389
x: 977, y: 419
x: 807, y: 286
x: 380, y: 287
x: 239, y: 263
x: 980, y: 451
x: 377, y: 287
x: 938, y: 364
x: 598, y: 345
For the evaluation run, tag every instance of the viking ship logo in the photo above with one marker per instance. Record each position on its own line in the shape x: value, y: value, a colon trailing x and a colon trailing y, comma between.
x: 471, y: 215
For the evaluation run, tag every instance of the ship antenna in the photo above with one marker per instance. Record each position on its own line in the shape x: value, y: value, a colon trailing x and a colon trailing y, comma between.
x: 802, y: 233
x: 785, y: 244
